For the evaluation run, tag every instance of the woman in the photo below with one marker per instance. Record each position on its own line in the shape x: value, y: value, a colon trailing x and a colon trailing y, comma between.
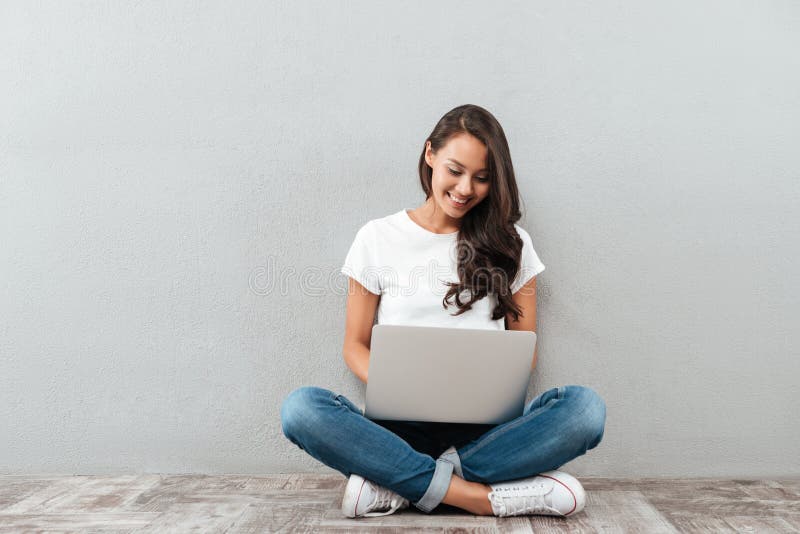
x: 467, y: 227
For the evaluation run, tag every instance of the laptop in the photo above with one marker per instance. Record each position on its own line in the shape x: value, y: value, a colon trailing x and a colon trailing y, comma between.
x: 454, y: 375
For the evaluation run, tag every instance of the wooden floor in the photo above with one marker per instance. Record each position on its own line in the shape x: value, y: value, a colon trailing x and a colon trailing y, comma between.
x: 310, y: 503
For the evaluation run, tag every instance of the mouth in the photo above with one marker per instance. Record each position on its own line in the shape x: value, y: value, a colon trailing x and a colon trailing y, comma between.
x: 457, y: 204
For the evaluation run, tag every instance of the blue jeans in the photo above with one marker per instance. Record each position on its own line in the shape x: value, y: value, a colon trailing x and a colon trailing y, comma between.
x: 406, y: 456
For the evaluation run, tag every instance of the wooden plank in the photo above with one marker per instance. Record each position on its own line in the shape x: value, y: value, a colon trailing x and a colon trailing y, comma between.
x: 14, y: 488
x: 702, y: 524
x: 214, y: 515
x: 101, y: 494
x: 793, y: 521
x: 279, y: 518
x: 48, y: 497
x: 792, y: 485
x: 510, y: 525
x: 769, y: 490
x: 613, y: 511
x: 171, y: 489
x: 300, y: 481
x: 161, y: 496
x: 408, y: 518
x: 328, y: 482
x: 670, y: 486
x: 759, y: 525
x: 722, y: 506
x: 76, y: 522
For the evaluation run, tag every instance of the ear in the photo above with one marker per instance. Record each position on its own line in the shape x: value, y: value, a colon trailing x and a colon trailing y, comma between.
x: 428, y: 154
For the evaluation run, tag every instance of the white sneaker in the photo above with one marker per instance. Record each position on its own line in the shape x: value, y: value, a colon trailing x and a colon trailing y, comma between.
x: 363, y: 498
x: 548, y: 493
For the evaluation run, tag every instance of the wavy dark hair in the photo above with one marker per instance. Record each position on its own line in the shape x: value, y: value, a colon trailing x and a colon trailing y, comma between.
x: 488, y: 246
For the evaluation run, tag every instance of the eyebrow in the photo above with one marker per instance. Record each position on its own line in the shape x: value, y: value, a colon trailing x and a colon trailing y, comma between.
x: 460, y: 164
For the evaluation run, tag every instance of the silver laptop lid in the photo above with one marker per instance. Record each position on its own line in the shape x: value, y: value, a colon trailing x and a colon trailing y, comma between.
x: 456, y: 375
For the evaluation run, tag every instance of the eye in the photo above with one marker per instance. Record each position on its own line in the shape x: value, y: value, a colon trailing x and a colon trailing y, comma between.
x: 481, y: 179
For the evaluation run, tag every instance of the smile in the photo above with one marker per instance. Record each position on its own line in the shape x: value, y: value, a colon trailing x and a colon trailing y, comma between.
x: 457, y: 203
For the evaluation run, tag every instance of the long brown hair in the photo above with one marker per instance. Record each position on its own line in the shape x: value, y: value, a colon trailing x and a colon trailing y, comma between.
x: 488, y: 246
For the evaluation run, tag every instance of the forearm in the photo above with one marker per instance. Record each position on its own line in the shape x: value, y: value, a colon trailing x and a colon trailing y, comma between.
x: 356, y: 357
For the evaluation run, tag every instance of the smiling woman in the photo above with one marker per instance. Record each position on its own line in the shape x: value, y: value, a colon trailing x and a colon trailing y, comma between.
x: 458, y: 260
x: 466, y: 173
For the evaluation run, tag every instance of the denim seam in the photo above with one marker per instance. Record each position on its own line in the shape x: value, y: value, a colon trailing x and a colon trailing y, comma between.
x: 508, y: 428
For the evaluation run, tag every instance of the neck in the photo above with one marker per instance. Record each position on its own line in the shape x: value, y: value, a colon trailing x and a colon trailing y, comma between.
x: 433, y: 217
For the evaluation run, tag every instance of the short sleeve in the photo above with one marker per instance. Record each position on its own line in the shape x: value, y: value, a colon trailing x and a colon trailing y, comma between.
x: 361, y: 261
x: 530, y: 264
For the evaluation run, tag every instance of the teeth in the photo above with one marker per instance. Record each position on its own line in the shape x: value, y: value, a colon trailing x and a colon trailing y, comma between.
x: 460, y: 201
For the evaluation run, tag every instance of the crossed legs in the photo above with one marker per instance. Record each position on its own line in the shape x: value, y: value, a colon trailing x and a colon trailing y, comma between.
x: 556, y: 426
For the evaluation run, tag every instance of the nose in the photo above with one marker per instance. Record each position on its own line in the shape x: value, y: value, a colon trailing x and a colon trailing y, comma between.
x: 464, y: 187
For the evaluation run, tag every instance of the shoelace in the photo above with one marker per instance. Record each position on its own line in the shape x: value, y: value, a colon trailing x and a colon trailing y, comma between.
x: 528, y: 499
x: 385, y: 499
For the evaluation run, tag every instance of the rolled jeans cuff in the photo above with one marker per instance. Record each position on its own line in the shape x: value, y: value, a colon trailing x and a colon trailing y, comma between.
x: 451, y: 455
x: 438, y: 487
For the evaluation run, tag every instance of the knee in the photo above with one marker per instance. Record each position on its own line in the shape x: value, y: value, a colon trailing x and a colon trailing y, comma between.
x: 592, y: 414
x: 299, y: 409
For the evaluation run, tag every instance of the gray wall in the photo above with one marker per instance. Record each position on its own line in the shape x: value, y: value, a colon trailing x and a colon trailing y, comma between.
x: 181, y: 183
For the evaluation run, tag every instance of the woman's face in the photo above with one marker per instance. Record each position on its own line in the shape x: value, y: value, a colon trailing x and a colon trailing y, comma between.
x: 459, y: 173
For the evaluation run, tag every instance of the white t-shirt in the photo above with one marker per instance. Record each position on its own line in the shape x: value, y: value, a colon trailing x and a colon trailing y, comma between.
x: 407, y: 266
